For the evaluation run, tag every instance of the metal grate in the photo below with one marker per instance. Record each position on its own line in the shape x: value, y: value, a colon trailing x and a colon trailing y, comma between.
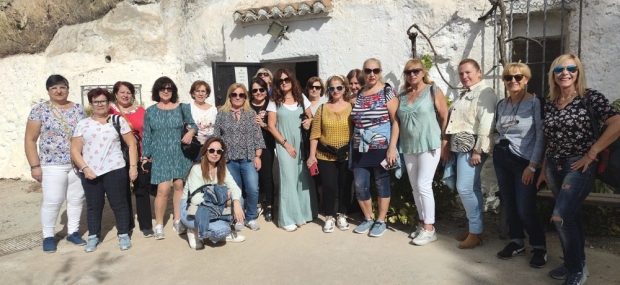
x: 20, y: 243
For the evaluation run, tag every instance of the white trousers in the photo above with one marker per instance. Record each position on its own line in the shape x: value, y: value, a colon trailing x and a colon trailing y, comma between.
x: 60, y: 183
x: 421, y: 170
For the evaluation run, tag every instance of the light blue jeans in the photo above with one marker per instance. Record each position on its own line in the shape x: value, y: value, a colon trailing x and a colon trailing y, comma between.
x: 469, y: 186
x: 218, y: 230
x: 246, y: 177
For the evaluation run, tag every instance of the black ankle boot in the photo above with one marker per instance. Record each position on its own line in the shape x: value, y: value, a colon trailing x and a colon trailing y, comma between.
x: 268, y: 215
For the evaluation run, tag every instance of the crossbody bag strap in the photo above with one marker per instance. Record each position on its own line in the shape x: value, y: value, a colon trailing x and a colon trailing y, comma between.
x: 59, y: 116
x: 593, y: 121
x: 124, y: 117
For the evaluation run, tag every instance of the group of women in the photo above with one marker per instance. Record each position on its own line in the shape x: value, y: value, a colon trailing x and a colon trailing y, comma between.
x: 348, y: 132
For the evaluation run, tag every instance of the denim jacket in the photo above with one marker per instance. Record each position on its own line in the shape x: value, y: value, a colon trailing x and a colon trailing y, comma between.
x: 215, y: 197
x: 366, y: 136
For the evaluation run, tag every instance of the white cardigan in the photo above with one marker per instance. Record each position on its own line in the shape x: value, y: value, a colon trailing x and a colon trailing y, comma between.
x: 474, y: 112
x: 195, y: 180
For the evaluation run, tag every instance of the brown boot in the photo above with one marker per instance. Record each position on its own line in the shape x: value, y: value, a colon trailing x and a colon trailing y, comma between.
x: 462, y: 236
x: 472, y: 241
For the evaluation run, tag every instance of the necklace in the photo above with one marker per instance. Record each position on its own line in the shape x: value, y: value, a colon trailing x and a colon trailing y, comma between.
x: 511, y: 119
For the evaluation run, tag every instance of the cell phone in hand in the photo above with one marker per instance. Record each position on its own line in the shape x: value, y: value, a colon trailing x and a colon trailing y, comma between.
x: 386, y: 166
x: 314, y: 169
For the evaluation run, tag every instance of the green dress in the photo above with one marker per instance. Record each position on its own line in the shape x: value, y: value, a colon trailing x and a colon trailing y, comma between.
x: 297, y: 199
x: 162, y: 141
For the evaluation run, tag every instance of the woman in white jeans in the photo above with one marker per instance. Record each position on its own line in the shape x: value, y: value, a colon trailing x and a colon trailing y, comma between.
x: 52, y: 124
x: 420, y: 105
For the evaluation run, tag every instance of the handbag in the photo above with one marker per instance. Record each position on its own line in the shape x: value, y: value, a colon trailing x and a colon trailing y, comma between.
x: 609, y: 158
x: 191, y: 150
x: 124, y: 146
x: 463, y: 142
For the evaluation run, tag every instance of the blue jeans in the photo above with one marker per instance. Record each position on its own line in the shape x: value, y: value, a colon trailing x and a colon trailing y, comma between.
x: 246, y: 177
x: 469, y: 186
x: 218, y: 230
x: 519, y: 199
x: 361, y: 182
x: 570, y: 188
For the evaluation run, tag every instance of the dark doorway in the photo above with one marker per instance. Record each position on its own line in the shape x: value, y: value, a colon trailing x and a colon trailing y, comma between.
x: 305, y: 70
x: 224, y: 76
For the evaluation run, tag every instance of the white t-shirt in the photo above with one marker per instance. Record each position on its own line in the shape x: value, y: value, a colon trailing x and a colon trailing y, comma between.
x: 101, y: 147
x: 322, y: 100
x: 271, y: 107
x: 204, y: 120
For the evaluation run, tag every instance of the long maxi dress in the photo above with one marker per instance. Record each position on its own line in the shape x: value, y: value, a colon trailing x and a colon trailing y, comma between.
x: 297, y: 203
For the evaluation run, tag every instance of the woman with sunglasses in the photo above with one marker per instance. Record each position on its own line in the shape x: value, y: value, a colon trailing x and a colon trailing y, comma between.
x: 314, y: 91
x: 516, y: 156
x: 265, y: 174
x: 470, y: 129
x: 570, y: 161
x: 202, y: 112
x: 96, y: 152
x: 329, y: 149
x: 266, y: 76
x: 421, y: 105
x: 133, y: 113
x: 211, y: 169
x: 236, y: 125
x: 374, y: 152
x: 163, y: 128
x: 356, y: 83
x: 297, y: 204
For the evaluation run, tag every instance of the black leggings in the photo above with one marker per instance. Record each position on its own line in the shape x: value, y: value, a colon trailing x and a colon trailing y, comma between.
x: 265, y: 174
x: 143, y: 190
x: 336, y: 179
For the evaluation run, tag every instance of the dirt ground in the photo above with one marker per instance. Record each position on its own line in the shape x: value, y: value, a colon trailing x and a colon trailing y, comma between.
x: 272, y: 256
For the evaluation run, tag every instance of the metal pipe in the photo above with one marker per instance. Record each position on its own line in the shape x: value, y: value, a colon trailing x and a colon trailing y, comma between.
x: 562, y: 30
x: 527, y: 34
x: 544, y: 44
x: 580, y: 20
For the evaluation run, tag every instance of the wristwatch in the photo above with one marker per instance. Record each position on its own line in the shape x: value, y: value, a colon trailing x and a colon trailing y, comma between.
x: 532, y: 169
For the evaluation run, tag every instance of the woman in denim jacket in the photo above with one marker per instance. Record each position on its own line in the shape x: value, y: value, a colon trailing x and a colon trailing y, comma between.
x: 211, y: 169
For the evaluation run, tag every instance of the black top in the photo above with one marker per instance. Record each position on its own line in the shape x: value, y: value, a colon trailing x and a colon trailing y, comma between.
x: 270, y: 142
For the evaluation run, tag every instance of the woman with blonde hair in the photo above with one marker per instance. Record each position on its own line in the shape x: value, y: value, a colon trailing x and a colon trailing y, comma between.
x: 329, y: 149
x: 516, y: 156
x: 235, y: 124
x: 266, y: 75
x: 570, y: 161
x: 420, y: 105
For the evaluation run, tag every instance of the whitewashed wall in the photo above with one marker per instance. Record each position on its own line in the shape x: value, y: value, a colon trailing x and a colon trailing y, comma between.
x: 183, y: 40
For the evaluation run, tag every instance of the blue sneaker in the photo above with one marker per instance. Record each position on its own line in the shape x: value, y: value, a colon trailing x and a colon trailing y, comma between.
x: 75, y: 238
x: 49, y: 245
x: 364, y: 227
x: 377, y: 229
x: 124, y: 242
x: 91, y: 246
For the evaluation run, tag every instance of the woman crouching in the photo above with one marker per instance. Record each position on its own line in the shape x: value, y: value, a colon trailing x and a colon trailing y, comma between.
x: 211, y: 169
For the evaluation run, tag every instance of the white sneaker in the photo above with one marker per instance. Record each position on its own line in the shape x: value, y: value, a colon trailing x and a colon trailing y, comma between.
x: 290, y: 228
x: 417, y: 231
x: 425, y: 237
x: 238, y: 226
x: 194, y: 243
x: 234, y: 237
x: 253, y: 225
x: 179, y: 227
x: 159, y: 232
x: 341, y: 222
x: 328, y: 227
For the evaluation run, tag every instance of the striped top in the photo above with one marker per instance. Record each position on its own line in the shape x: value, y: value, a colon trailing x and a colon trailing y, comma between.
x: 370, y: 112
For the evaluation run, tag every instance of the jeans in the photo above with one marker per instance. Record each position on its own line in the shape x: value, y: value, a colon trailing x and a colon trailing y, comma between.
x: 218, y: 229
x: 519, y: 199
x: 421, y: 170
x: 570, y: 188
x: 112, y: 185
x: 469, y: 186
x: 361, y: 180
x: 336, y: 179
x: 244, y: 173
x: 60, y: 183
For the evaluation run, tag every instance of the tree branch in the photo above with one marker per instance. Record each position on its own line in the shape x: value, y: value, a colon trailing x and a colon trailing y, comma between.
x: 524, y: 38
x: 488, y: 14
x: 503, y: 32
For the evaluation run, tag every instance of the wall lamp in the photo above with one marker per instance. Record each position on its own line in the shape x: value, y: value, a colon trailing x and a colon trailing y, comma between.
x: 277, y: 30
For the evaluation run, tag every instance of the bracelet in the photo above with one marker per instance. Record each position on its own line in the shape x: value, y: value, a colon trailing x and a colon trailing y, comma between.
x: 588, y: 155
x: 35, y: 167
x: 82, y: 169
x: 133, y: 166
x: 283, y: 142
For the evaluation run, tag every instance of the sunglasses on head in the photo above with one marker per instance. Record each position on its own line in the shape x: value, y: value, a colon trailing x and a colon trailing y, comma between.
x: 369, y: 71
x: 559, y: 69
x: 261, y: 90
x: 213, y: 150
x: 237, y: 95
x: 517, y: 77
x: 263, y: 74
x: 314, y: 87
x: 415, y: 71
x: 332, y: 89
x: 285, y: 80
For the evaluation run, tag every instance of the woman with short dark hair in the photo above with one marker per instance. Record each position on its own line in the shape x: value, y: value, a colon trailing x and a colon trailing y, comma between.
x: 202, y: 112
x: 163, y: 127
x: 96, y: 152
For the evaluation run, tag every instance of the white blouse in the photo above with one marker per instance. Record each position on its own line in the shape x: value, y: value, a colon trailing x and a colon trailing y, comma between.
x: 101, y: 147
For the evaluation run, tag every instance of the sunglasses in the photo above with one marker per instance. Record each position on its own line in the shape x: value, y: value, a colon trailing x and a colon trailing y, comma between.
x: 261, y: 90
x: 517, y: 77
x: 284, y: 81
x: 314, y: 87
x: 263, y: 74
x: 332, y: 89
x: 237, y: 95
x: 415, y: 71
x: 369, y: 71
x: 169, y: 89
x: 559, y: 69
x: 218, y: 150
